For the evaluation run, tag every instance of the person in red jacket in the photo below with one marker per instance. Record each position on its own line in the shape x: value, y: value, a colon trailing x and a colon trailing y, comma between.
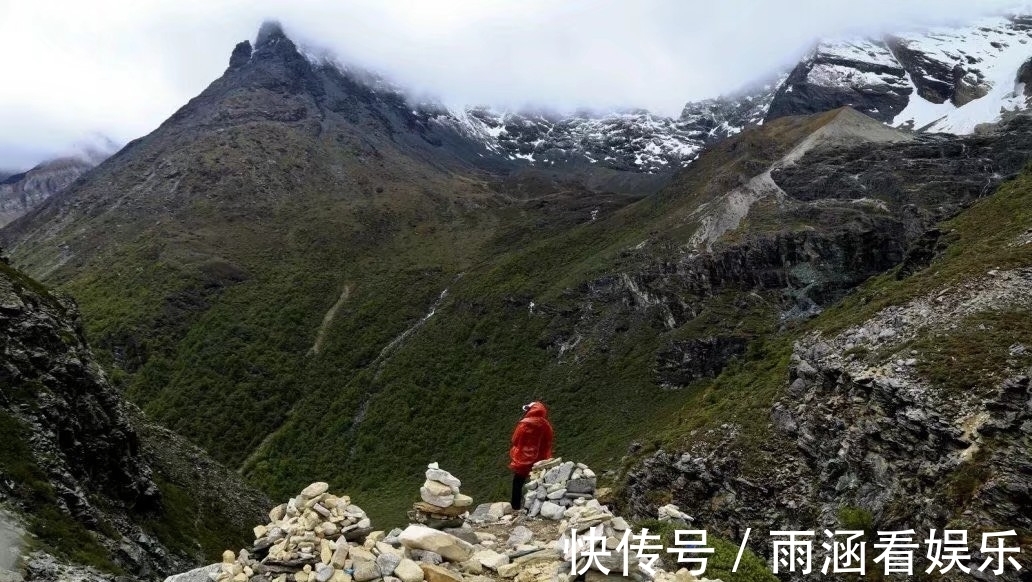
x: 531, y: 442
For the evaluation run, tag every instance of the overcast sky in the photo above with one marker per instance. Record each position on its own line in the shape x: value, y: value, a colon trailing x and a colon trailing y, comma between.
x: 72, y: 70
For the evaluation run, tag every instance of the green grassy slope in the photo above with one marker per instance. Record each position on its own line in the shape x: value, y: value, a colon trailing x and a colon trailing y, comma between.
x: 72, y: 466
x: 206, y: 261
x: 994, y: 234
x: 208, y: 317
x: 451, y: 392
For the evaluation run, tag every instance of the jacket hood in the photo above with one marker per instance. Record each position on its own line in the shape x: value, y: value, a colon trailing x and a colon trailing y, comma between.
x: 538, y: 410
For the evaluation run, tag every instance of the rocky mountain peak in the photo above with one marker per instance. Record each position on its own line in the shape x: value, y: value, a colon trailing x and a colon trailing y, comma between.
x: 241, y: 54
x: 270, y: 34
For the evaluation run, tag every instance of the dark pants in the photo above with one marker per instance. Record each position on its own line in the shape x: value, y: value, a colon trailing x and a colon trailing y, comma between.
x: 518, y: 481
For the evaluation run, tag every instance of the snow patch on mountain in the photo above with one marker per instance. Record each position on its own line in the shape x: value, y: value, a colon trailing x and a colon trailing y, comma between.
x: 834, y: 64
x: 941, y: 79
x: 864, y: 50
x: 635, y: 140
x: 630, y: 140
x: 986, y: 58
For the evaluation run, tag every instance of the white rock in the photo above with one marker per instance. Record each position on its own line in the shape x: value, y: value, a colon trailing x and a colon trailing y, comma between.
x: 205, y: 574
x: 519, y: 535
x: 323, y: 572
x: 670, y: 512
x: 444, y: 477
x: 420, y: 537
x: 365, y: 571
x: 408, y: 571
x: 500, y: 508
x: 491, y: 559
x: 387, y: 563
x: 552, y: 511
x: 315, y: 489
x: 535, y: 508
x: 340, y: 553
x: 508, y: 570
x: 437, y: 488
x: 360, y: 555
x: 438, y: 500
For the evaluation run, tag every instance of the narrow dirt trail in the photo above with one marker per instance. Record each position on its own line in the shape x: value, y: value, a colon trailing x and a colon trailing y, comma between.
x: 320, y: 336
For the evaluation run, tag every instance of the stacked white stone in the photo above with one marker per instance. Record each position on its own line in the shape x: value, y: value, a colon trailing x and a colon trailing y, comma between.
x: 320, y: 537
x: 441, y: 498
x: 673, y: 513
x: 555, y: 486
x: 306, y: 540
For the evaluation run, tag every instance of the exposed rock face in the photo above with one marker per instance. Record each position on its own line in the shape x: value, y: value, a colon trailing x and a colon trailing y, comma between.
x: 686, y: 361
x: 935, y: 175
x: 58, y: 389
x: 241, y: 55
x: 716, y: 119
x: 855, y: 437
x: 81, y: 435
x: 817, y: 266
x: 935, y: 80
x: 634, y: 141
x: 84, y: 450
x: 861, y: 437
x: 888, y: 78
x: 22, y: 192
x: 865, y: 203
x: 862, y: 75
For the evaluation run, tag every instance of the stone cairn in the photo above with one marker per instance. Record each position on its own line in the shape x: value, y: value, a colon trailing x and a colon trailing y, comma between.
x: 554, y: 486
x: 307, y: 539
x: 442, y: 504
x: 321, y: 537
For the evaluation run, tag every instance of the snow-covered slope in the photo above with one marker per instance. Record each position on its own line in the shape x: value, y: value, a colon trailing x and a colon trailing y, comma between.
x: 634, y: 140
x: 945, y: 79
x: 979, y: 66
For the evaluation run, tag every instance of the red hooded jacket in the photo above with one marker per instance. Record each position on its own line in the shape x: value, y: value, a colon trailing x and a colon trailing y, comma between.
x: 531, y: 441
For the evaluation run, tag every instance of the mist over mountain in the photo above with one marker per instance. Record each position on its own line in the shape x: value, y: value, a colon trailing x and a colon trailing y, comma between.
x: 80, y: 72
x: 23, y: 191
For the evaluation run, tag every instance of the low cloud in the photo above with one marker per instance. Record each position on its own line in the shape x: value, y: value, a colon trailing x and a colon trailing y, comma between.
x: 119, y: 68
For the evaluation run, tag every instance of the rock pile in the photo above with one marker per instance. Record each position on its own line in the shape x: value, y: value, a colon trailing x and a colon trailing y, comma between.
x: 307, y: 539
x: 590, y: 518
x: 555, y: 486
x: 442, y: 504
x: 320, y: 537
